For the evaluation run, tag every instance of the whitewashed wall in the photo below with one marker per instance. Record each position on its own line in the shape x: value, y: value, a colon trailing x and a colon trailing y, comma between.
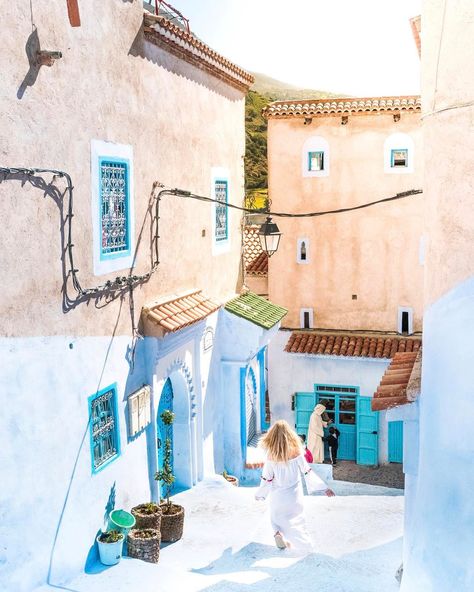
x: 291, y: 373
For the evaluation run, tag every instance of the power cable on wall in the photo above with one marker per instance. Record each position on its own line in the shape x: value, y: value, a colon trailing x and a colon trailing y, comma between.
x: 127, y: 283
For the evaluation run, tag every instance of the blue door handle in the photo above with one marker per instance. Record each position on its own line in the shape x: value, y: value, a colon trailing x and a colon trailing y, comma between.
x: 375, y: 432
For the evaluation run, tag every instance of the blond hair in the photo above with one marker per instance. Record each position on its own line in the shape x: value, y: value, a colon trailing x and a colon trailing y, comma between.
x: 281, y: 443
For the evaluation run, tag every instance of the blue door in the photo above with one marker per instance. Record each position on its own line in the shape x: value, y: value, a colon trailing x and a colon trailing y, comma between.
x: 340, y: 403
x: 367, y: 432
x: 304, y: 404
x: 163, y: 431
x: 395, y: 441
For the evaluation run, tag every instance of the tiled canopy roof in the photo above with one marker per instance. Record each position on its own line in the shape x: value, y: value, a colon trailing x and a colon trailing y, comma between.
x: 259, y: 265
x: 170, y: 37
x: 256, y: 261
x: 257, y: 310
x: 394, y: 389
x: 343, y: 106
x: 350, y: 344
x: 178, y: 312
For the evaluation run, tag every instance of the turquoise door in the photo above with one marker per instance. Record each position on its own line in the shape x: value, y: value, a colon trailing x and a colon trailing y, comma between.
x: 367, y: 432
x: 341, y: 409
x: 303, y: 405
x: 395, y: 441
x: 163, y: 431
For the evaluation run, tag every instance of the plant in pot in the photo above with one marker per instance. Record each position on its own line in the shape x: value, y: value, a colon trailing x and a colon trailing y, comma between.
x: 172, y: 518
x: 147, y: 515
x: 110, y: 545
x: 144, y: 544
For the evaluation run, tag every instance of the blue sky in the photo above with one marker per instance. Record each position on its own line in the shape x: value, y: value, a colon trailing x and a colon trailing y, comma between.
x: 357, y: 47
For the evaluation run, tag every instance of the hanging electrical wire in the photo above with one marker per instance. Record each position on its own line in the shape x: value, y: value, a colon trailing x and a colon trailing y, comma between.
x: 128, y: 282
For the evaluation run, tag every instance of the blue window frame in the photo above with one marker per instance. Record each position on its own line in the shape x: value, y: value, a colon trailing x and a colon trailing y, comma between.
x: 221, y: 222
x: 104, y: 428
x: 316, y: 161
x: 114, y: 193
x: 399, y: 157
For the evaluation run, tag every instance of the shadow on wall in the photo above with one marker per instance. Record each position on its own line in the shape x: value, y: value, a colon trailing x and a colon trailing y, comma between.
x: 32, y: 48
x: 147, y: 50
x: 72, y: 293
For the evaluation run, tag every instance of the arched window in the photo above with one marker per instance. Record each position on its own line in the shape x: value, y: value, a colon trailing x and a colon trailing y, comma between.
x: 315, y: 158
x: 302, y: 250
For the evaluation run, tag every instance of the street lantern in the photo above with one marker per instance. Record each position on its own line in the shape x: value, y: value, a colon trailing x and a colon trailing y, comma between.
x: 270, y: 235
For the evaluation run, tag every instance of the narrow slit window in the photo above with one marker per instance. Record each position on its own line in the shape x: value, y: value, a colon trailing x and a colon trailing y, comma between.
x: 316, y: 161
x: 405, y: 322
x: 399, y: 158
x: 303, y: 251
x: 306, y: 318
x: 306, y: 324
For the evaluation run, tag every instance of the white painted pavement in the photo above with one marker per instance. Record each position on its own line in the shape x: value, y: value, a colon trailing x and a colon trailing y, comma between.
x: 228, y: 546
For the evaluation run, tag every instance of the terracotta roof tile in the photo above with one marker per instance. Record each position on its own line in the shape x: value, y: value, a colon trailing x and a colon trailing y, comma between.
x: 394, y: 389
x: 179, y: 312
x: 350, y: 344
x: 330, y: 106
x: 162, y: 32
x: 256, y: 260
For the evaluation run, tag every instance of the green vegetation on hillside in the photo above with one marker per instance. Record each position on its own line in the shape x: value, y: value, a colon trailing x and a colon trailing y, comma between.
x: 264, y: 90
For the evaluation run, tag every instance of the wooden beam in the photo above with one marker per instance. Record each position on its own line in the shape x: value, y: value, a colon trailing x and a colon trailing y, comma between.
x: 73, y: 13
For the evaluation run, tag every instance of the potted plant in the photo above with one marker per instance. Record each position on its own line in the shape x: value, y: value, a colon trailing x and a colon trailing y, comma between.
x: 147, y: 515
x: 172, y: 518
x: 110, y: 545
x: 230, y: 478
x: 144, y: 544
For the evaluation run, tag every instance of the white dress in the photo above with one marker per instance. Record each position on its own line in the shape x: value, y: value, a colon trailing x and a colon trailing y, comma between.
x: 283, y: 482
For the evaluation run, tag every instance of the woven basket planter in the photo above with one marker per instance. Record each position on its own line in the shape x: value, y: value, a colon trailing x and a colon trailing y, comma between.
x: 172, y: 524
x: 146, y: 549
x: 146, y: 519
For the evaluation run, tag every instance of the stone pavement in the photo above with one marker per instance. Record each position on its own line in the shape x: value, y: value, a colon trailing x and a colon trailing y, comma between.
x: 390, y: 475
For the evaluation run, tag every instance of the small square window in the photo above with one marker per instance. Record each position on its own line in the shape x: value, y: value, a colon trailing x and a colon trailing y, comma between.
x: 104, y: 432
x: 399, y: 158
x: 316, y: 161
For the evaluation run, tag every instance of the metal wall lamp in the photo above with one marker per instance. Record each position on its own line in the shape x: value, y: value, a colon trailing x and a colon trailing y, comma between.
x: 269, y: 235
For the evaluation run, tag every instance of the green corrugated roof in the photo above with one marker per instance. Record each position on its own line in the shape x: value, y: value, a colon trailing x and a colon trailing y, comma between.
x: 256, y: 309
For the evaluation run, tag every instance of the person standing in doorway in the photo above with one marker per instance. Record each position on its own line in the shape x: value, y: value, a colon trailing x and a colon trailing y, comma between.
x: 316, y: 433
x: 333, y: 443
x: 281, y: 479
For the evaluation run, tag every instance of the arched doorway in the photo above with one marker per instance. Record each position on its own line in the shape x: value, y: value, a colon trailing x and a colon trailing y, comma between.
x: 163, y: 431
x: 251, y: 406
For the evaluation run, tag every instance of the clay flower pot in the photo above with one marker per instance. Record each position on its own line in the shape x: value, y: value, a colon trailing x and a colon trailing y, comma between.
x: 147, y: 516
x: 144, y: 544
x: 172, y: 522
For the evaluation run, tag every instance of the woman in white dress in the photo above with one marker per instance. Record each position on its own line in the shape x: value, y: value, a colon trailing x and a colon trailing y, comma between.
x: 281, y: 478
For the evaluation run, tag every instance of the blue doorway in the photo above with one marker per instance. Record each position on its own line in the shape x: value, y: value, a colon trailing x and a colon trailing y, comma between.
x: 163, y: 431
x: 395, y: 441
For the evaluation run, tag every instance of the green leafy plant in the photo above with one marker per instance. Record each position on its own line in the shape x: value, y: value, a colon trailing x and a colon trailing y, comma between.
x: 111, y: 536
x: 165, y: 475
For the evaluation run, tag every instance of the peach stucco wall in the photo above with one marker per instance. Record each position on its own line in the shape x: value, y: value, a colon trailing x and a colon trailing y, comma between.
x: 110, y: 85
x: 372, y: 253
x: 448, y: 127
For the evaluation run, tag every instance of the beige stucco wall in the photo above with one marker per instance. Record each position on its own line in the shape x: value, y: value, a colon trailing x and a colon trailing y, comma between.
x: 110, y: 85
x: 373, y: 253
x: 448, y: 127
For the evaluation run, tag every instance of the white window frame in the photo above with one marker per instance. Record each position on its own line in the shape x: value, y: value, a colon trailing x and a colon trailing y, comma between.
x: 299, y: 242
x: 311, y: 318
x: 315, y: 144
x: 401, y: 310
x: 222, y: 245
x: 109, y: 150
x: 399, y: 141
